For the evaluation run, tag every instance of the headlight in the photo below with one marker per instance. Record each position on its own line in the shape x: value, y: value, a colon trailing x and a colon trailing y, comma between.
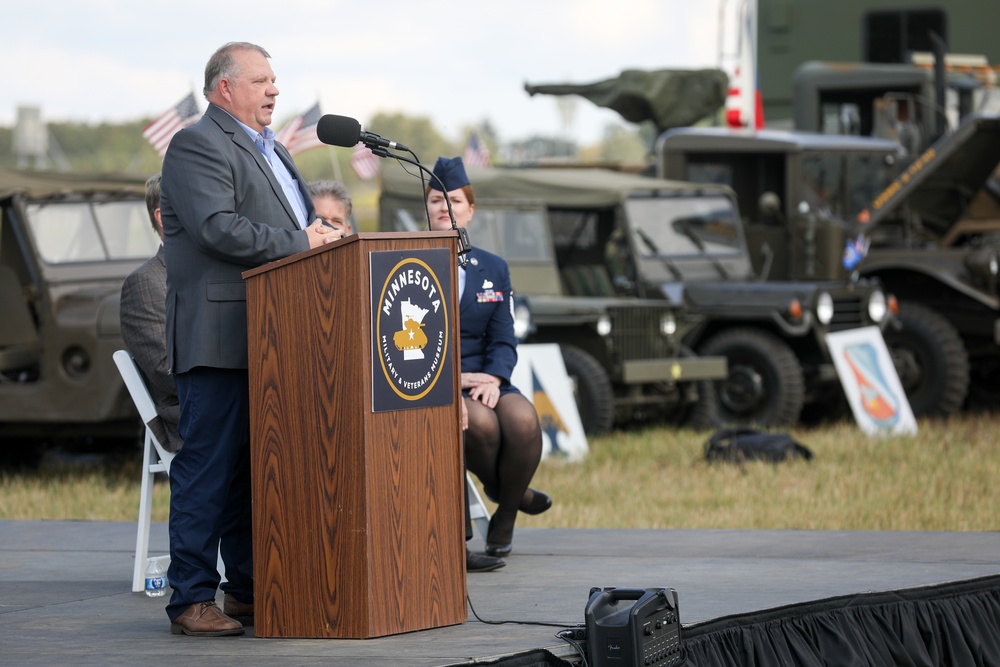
x: 984, y: 266
x: 824, y: 307
x: 522, y: 320
x: 877, y: 307
x: 604, y: 325
x: 668, y: 325
x: 75, y: 361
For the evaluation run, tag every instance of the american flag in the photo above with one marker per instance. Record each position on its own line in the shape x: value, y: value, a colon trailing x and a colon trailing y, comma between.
x: 173, y: 120
x: 364, y: 162
x: 300, y: 134
x: 476, y: 153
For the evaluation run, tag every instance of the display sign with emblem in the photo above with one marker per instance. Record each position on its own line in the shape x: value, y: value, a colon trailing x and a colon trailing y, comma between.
x: 412, y: 365
x: 870, y: 381
x: 541, y: 376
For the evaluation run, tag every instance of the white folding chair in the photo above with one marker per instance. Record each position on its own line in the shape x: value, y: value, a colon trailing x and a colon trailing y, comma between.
x: 154, y: 459
x: 477, y: 508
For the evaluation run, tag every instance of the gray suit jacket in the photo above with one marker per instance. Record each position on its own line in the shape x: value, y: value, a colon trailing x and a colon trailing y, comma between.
x: 223, y: 213
x: 143, y: 325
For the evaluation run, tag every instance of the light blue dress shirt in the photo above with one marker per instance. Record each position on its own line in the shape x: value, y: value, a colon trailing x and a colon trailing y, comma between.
x: 289, y: 185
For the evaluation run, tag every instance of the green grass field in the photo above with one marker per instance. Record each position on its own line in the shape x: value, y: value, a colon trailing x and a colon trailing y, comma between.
x: 944, y: 478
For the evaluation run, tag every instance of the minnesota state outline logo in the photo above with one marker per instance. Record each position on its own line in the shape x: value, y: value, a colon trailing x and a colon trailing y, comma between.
x: 411, y: 306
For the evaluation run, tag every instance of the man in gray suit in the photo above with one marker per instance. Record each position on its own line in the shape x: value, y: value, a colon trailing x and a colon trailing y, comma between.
x: 231, y: 199
x: 143, y: 326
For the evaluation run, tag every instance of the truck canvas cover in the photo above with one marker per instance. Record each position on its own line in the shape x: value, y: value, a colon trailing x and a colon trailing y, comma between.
x: 566, y: 188
x: 41, y: 185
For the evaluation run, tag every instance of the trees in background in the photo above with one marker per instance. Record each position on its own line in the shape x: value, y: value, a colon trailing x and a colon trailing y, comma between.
x: 120, y: 148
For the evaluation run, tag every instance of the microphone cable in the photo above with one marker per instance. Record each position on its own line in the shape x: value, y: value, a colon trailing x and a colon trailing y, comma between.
x: 571, y: 633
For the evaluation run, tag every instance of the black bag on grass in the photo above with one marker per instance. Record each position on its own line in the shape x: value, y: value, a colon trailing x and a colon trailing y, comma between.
x: 744, y: 444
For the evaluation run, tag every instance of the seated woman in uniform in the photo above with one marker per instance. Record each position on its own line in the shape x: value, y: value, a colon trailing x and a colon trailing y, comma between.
x: 503, y: 443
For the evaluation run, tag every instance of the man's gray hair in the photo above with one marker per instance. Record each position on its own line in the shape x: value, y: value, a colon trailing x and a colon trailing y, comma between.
x: 222, y: 64
x: 153, y: 198
x: 332, y: 189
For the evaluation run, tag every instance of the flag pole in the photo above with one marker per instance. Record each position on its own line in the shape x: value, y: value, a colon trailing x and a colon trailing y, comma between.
x: 337, y: 174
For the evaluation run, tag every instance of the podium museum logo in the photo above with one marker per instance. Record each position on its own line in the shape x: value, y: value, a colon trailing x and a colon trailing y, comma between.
x: 411, y: 328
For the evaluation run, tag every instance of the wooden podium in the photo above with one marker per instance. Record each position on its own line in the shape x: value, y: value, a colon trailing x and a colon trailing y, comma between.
x: 358, y: 514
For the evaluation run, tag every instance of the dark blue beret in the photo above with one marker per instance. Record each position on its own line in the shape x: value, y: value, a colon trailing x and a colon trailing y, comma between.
x: 451, y: 172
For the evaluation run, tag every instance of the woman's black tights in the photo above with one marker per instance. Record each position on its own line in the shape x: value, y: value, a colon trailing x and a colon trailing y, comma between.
x: 503, y: 446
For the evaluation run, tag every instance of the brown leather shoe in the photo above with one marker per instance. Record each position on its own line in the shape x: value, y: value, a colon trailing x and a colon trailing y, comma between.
x: 241, y: 611
x: 205, y: 619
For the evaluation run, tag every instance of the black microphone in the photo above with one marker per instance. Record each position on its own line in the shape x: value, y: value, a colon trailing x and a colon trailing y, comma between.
x: 347, y: 132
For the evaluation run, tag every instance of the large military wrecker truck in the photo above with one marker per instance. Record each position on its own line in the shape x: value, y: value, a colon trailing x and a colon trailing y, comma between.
x: 915, y: 105
x: 931, y: 234
x: 594, y: 240
x: 66, y: 243
x: 624, y: 354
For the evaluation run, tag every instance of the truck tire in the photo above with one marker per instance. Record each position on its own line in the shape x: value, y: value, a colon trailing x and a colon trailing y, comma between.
x: 595, y: 399
x: 765, y: 386
x: 930, y: 359
x: 984, y: 392
x: 704, y: 414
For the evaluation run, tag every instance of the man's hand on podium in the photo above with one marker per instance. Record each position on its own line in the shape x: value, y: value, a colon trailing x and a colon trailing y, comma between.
x: 320, y: 233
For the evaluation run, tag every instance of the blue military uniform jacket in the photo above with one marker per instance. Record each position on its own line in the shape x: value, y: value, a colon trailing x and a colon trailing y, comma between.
x: 486, y: 317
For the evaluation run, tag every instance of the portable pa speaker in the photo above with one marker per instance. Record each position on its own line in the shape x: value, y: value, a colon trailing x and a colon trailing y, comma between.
x: 633, y: 627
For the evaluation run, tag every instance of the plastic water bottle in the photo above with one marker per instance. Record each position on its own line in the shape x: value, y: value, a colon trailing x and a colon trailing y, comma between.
x: 156, y: 578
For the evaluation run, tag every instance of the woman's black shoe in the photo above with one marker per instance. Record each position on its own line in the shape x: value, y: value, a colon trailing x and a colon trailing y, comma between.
x: 539, y: 502
x: 499, y: 550
x: 496, y: 549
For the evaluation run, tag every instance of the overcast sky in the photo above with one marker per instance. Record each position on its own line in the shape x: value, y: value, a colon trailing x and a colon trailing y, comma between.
x: 457, y: 63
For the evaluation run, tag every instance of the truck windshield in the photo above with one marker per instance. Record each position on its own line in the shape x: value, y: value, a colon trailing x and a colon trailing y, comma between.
x: 75, y: 232
x: 514, y: 234
x: 841, y: 185
x: 867, y: 176
x: 683, y: 226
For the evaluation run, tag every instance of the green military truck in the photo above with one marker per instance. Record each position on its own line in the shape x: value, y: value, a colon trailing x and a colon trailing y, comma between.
x: 930, y: 225
x: 66, y: 243
x: 630, y: 258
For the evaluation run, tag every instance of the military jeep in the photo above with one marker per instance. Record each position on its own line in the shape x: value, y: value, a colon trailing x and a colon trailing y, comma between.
x: 611, y: 240
x: 66, y: 243
x: 624, y: 353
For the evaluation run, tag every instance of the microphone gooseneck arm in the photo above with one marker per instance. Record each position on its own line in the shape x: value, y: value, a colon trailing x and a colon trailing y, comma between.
x: 463, y: 234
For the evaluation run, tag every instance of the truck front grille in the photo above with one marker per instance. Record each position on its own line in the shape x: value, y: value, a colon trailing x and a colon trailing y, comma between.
x: 848, y: 313
x: 635, y: 333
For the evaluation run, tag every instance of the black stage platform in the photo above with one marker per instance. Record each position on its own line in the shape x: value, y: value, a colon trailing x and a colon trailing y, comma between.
x: 745, y: 597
